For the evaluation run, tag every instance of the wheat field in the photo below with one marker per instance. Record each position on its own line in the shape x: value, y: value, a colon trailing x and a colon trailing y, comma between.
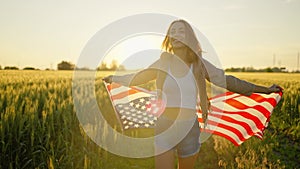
x: 39, y: 127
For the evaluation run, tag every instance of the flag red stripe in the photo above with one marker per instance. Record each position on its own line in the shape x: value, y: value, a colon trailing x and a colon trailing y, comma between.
x: 124, y: 94
x: 260, y: 99
x: 222, y: 135
x: 113, y: 86
x: 236, y: 104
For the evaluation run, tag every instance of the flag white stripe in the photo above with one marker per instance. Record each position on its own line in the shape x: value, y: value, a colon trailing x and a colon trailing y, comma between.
x: 115, y: 91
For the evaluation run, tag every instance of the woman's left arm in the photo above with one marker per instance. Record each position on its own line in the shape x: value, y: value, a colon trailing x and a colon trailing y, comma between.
x: 217, y: 76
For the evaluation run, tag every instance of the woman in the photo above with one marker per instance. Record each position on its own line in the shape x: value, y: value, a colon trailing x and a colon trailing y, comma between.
x: 180, y: 74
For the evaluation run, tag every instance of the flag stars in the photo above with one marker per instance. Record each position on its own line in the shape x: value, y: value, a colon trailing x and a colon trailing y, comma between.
x: 136, y: 113
x: 137, y: 105
x: 151, y: 122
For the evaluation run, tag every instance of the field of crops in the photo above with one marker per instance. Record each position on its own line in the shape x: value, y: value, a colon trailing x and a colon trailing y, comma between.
x: 39, y: 127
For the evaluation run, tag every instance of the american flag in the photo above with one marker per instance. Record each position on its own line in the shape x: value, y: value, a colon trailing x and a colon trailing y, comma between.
x: 135, y: 107
x: 233, y: 116
x: 237, y: 117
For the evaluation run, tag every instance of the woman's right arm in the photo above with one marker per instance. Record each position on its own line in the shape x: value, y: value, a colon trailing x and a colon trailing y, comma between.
x: 132, y: 79
x: 137, y: 78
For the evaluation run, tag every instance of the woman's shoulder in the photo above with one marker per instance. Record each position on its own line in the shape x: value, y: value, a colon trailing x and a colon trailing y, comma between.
x: 166, y: 56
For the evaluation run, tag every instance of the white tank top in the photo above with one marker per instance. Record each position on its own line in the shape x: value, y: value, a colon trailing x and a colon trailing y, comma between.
x: 180, y: 92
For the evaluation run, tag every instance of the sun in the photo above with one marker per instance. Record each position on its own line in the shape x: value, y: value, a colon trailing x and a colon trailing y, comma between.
x: 136, y: 51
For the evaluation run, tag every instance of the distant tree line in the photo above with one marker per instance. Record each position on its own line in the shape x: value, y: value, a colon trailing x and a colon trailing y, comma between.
x: 64, y: 65
x: 11, y: 68
x: 113, y: 66
x: 251, y: 69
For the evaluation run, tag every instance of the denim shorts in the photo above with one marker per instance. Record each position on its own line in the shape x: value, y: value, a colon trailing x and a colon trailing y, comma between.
x: 185, y: 137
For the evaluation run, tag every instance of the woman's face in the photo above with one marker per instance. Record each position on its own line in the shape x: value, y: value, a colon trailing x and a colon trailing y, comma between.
x: 177, y: 34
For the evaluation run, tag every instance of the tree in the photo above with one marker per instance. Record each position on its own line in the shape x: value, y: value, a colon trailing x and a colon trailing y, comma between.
x: 103, y: 66
x: 268, y: 69
x: 29, y: 68
x: 64, y: 65
x: 11, y: 68
x: 114, y: 65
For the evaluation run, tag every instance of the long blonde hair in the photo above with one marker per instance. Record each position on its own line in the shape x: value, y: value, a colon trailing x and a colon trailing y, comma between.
x: 194, y: 55
x: 192, y: 44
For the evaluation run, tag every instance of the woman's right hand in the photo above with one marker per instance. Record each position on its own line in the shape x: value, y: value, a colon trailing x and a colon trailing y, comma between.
x: 108, y: 79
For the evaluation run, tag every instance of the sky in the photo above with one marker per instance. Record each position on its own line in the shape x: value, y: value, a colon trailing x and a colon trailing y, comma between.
x: 244, y: 33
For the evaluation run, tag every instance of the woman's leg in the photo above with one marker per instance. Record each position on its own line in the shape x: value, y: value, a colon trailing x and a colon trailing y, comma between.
x: 188, y: 148
x: 187, y: 162
x: 165, y: 160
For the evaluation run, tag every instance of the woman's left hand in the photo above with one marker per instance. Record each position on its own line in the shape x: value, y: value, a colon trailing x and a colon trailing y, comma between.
x: 275, y: 88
